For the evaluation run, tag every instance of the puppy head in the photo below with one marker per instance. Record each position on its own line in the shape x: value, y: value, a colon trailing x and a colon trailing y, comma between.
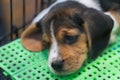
x: 73, y: 33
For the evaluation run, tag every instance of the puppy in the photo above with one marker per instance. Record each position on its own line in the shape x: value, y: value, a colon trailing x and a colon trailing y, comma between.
x: 74, y: 31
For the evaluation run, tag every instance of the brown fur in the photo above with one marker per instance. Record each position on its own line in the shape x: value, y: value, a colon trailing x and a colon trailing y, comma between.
x: 69, y: 31
x: 32, y: 38
x: 75, y: 54
x: 116, y: 16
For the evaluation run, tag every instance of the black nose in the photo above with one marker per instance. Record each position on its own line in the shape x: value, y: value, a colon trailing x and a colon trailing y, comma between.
x: 57, y: 65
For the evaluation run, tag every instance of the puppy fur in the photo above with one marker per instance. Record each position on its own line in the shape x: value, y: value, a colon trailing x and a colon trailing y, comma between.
x: 74, y: 31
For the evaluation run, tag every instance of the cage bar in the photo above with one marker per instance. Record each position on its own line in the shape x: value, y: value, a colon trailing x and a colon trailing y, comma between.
x: 11, y: 19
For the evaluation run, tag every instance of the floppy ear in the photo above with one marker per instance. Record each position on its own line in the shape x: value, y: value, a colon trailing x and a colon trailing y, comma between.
x: 32, y: 38
x: 98, y: 27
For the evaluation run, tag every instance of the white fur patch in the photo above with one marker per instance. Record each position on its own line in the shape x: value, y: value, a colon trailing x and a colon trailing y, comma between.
x: 114, y: 30
x: 54, y: 50
x: 45, y: 11
x: 90, y: 3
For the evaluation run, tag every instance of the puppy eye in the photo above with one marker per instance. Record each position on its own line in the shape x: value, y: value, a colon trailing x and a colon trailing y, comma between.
x: 70, y: 39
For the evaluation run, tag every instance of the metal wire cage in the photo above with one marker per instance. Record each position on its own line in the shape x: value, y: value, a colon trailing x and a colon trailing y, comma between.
x: 15, y: 31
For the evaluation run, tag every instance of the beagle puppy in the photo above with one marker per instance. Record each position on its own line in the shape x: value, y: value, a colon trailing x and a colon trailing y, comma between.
x: 73, y: 30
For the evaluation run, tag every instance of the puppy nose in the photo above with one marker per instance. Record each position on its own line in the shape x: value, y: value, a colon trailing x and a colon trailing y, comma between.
x: 57, y: 65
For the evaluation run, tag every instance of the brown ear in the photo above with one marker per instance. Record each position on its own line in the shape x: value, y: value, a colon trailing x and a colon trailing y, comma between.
x: 32, y: 38
x: 98, y: 27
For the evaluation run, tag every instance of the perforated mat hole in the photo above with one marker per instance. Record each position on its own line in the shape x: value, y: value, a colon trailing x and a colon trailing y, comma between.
x: 43, y: 74
x: 118, y: 46
x: 17, y: 53
x: 25, y: 53
x: 14, y: 64
x: 43, y: 69
x: 28, y: 62
x: 38, y: 77
x: 39, y: 71
x: 24, y: 59
x: 2, y: 55
x: 116, y: 66
x: 105, y: 53
x: 111, y: 63
x: 85, y: 78
x: 109, y: 77
x: 15, y: 59
x: 24, y: 73
x: 114, y: 53
x: 104, y: 73
x: 109, y: 70
x: 19, y: 61
x: 104, y: 67
x: 8, y: 67
x: 99, y: 76
x: 47, y: 79
x: 113, y: 74
x: 18, y: 68
x: 5, y: 64
x: 6, y: 58
x: 23, y: 65
x: 21, y: 56
x: 19, y: 76
x: 11, y: 55
x: 118, y: 77
x: 33, y: 74
x: 1, y: 61
x: 30, y: 70
x: 7, y: 52
x: 21, y: 50
x: 9, y: 46
x: 29, y: 57
x: 110, y: 50
x: 116, y: 60
x: 88, y: 68
x: 12, y: 70
x: 13, y: 49
x: 90, y: 75
x: 79, y: 73
x: 98, y: 63
x: 105, y: 59
x: 35, y: 68
x: 109, y: 56
x: 48, y: 72
x: 18, y: 47
x: 10, y: 61
x: 95, y: 72
x: 118, y: 51
x: 56, y: 79
x: 114, y: 48
x: 29, y: 77
x: 94, y: 79
x: 4, y: 49
x: 52, y: 75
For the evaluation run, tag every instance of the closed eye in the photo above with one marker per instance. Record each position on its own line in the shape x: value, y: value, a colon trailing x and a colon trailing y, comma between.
x: 68, y: 39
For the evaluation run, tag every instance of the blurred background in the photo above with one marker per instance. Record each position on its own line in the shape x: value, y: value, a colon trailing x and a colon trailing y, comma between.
x: 15, y: 15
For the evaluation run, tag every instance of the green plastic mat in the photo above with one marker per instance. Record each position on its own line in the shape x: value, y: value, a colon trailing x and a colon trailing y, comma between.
x: 21, y: 64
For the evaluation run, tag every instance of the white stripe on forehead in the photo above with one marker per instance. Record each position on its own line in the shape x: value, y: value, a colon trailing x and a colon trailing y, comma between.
x: 54, y: 50
x: 88, y: 3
